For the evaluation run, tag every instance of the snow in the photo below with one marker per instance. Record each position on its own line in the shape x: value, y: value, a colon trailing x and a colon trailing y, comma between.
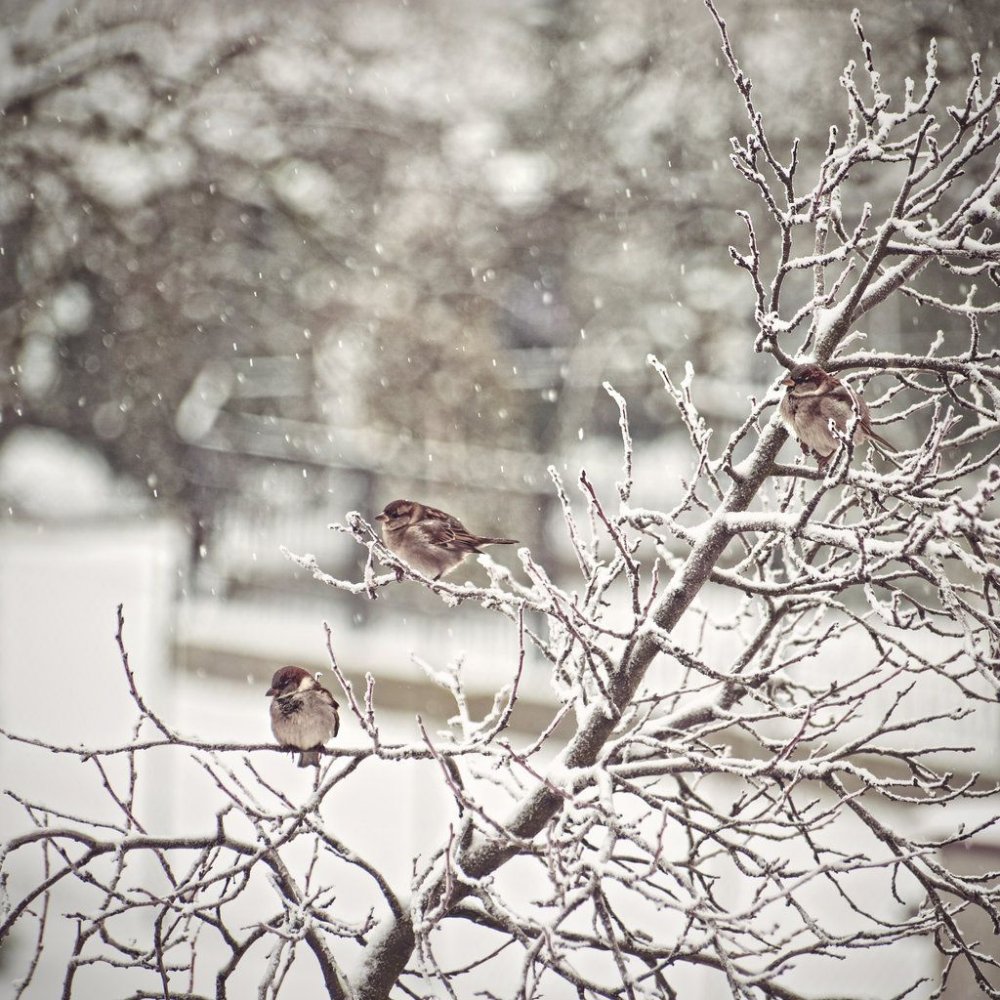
x: 126, y: 175
x: 402, y: 208
x: 45, y: 474
x: 71, y: 308
x: 305, y: 187
x: 520, y: 180
x: 39, y: 365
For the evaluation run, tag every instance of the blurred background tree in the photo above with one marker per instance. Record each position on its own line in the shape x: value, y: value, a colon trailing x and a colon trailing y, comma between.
x: 303, y: 258
x: 277, y: 264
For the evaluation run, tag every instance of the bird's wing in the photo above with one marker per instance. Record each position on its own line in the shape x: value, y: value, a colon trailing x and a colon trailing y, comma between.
x: 845, y: 397
x: 446, y: 519
x: 866, y: 425
x: 336, y: 715
x: 326, y: 696
x: 444, y: 531
x: 440, y: 528
x: 838, y: 405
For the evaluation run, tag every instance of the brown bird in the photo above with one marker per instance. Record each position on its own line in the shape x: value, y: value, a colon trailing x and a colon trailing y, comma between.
x: 813, y: 400
x: 430, y: 540
x: 303, y: 713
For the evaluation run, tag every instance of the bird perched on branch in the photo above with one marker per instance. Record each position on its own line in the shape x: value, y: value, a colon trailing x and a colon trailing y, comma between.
x: 430, y: 540
x: 303, y: 713
x: 814, y: 399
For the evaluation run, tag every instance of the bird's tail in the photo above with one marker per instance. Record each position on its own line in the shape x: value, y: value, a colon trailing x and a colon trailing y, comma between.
x: 496, y: 541
x: 885, y: 448
x: 308, y: 757
x: 880, y: 442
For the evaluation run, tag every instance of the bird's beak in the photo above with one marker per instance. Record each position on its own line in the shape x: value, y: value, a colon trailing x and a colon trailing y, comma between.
x: 787, y: 381
x: 381, y: 517
x: 270, y: 693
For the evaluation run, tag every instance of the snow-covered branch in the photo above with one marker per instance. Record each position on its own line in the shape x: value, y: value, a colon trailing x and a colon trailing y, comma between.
x: 763, y: 744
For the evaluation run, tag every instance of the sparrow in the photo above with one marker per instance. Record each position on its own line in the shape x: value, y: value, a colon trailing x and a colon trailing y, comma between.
x: 813, y: 399
x: 303, y: 713
x: 430, y: 540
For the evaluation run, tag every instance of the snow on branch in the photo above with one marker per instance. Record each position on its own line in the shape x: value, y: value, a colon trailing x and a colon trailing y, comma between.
x: 772, y: 705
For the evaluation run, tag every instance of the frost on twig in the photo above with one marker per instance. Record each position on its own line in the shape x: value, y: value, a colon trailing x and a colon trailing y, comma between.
x: 763, y: 749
